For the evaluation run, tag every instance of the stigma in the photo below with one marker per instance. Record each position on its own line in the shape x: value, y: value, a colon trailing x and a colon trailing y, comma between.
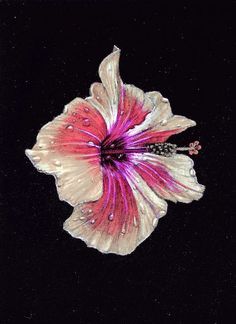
x: 168, y: 149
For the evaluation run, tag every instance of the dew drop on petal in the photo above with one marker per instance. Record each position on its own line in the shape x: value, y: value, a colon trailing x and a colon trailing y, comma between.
x: 163, y: 122
x: 141, y: 208
x: 92, y: 221
x: 155, y: 221
x: 86, y: 109
x: 70, y: 127
x: 40, y: 145
x: 90, y: 143
x: 98, y: 97
x: 122, y: 112
x: 52, y: 142
x: 74, y: 114
x: 86, y: 122
x: 162, y: 213
x: 82, y: 217
x: 90, y: 211
x: 192, y: 172
x: 165, y: 99
x: 135, y: 221
x: 57, y: 163
x: 79, y: 180
x: 123, y: 231
x: 36, y: 158
x: 110, y: 217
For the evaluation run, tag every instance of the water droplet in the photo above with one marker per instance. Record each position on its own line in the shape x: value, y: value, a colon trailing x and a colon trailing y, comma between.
x: 92, y: 221
x: 79, y: 180
x: 40, y: 145
x: 141, y: 208
x: 135, y: 162
x: 135, y: 221
x: 74, y: 114
x: 162, y: 213
x: 165, y: 99
x: 98, y: 97
x: 65, y: 110
x: 70, y: 127
x: 110, y: 217
x: 90, y: 143
x: 122, y: 112
x: 52, y: 142
x: 82, y: 217
x: 163, y: 122
x: 155, y: 221
x: 123, y: 230
x: 192, y: 172
x: 178, y: 126
x: 112, y: 145
x: 57, y: 163
x: 36, y: 158
x: 137, y: 180
x: 86, y: 109
x: 86, y: 122
x: 90, y: 211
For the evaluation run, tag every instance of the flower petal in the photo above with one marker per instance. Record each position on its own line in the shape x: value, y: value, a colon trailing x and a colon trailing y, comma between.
x: 67, y: 148
x: 121, y: 219
x: 172, y: 178
x: 160, y: 124
x: 132, y: 110
x: 105, y: 96
x: 100, y: 100
x: 122, y: 106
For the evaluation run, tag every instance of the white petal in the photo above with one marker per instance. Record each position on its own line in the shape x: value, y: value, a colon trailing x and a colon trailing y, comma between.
x: 161, y: 117
x: 150, y: 209
x: 180, y: 168
x: 111, y: 81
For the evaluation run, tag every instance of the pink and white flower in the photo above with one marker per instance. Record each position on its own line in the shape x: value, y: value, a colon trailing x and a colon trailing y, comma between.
x: 109, y: 156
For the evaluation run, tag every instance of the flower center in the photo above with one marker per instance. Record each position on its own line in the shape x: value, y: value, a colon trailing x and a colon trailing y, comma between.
x: 111, y: 152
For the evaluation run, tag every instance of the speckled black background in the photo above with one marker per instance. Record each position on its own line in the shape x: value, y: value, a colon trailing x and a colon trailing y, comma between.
x: 49, y: 54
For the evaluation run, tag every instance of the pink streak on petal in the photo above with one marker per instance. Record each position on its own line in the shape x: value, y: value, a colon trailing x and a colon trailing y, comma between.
x: 158, y: 178
x: 149, y: 136
x: 130, y: 113
x: 117, y: 200
x: 81, y: 126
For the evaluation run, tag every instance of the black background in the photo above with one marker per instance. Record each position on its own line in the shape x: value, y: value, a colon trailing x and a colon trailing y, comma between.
x: 49, y: 54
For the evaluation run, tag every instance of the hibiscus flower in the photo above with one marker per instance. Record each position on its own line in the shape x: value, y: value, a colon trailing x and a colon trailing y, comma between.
x: 111, y: 162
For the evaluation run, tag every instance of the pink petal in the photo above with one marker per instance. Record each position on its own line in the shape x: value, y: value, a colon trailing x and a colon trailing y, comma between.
x: 133, y: 108
x: 160, y: 123
x: 67, y: 148
x: 172, y: 178
x: 121, y: 219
